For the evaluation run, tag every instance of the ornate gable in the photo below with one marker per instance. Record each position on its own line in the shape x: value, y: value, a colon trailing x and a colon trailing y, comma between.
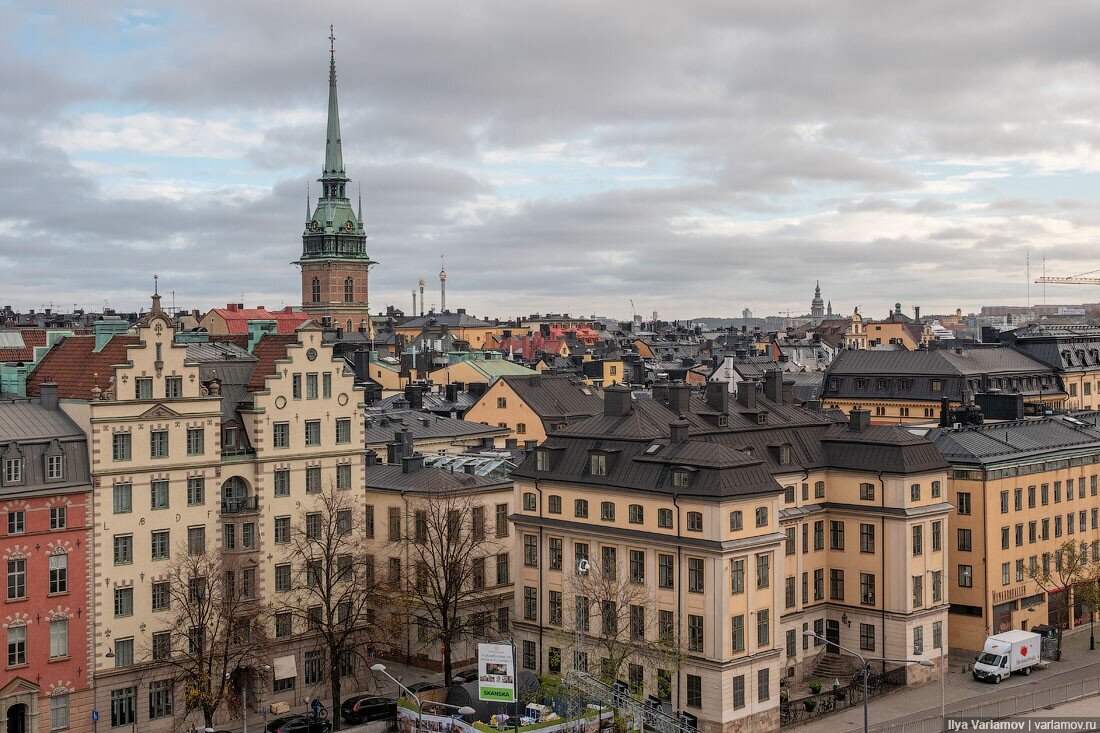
x: 158, y: 411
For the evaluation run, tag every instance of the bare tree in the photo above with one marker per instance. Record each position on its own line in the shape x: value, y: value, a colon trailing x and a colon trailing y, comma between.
x: 213, y: 642
x: 1069, y: 568
x: 615, y: 617
x: 336, y: 594
x: 448, y: 553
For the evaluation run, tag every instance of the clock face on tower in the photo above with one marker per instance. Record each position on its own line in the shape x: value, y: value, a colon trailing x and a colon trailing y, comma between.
x: 348, y: 226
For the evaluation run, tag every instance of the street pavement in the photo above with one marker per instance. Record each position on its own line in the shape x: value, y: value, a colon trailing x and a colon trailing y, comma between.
x: 961, y: 690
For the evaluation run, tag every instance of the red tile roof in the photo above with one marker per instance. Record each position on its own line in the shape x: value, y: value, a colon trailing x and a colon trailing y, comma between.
x: 236, y: 319
x: 269, y: 349
x: 31, y: 337
x: 77, y: 367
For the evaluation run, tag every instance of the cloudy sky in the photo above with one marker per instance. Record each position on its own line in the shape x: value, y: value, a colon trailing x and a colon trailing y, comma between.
x: 696, y: 157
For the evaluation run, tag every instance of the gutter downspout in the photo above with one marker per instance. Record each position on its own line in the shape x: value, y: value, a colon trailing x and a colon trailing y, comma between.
x: 542, y: 570
x: 405, y: 576
x: 882, y: 521
x: 679, y: 594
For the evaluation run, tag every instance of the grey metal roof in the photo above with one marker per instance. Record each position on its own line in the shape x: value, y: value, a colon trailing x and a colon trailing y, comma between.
x: 433, y: 402
x: 22, y: 419
x: 380, y: 427
x: 392, y: 477
x: 555, y: 398
x: 217, y: 351
x: 1016, y: 439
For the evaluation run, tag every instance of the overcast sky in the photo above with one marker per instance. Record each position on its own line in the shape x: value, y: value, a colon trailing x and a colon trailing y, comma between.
x: 696, y: 157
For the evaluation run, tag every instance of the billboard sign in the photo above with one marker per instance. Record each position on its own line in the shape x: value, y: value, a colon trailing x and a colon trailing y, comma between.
x: 496, y: 673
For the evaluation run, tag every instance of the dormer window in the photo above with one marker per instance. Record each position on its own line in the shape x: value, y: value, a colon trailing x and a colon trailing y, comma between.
x: 13, y: 471
x: 783, y: 454
x: 681, y: 478
x: 761, y: 418
x: 230, y: 437
x: 861, y: 384
x: 597, y: 464
x: 542, y: 460
x: 55, y: 468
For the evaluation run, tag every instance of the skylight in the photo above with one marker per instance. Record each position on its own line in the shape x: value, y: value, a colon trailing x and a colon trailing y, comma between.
x: 652, y: 449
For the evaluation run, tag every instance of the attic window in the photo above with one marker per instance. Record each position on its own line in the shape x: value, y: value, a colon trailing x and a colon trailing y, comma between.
x: 597, y: 464
x: 834, y: 384
x: 542, y: 460
x: 681, y: 478
x: 723, y: 421
x: 937, y: 385
x: 861, y: 384
x: 761, y: 418
x: 784, y: 454
x: 653, y: 449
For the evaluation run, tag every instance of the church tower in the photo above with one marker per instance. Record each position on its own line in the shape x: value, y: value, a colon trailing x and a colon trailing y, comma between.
x: 817, y: 305
x: 334, y: 259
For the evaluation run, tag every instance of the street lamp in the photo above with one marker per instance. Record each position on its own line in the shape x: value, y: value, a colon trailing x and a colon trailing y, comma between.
x: 464, y: 710
x: 866, y: 670
x: 244, y: 696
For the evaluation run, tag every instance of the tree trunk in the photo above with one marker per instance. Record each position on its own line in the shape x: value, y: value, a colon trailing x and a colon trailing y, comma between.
x: 208, y: 717
x: 334, y: 687
x: 448, y: 671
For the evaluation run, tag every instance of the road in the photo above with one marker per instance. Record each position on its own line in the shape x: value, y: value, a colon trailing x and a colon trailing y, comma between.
x: 963, y: 691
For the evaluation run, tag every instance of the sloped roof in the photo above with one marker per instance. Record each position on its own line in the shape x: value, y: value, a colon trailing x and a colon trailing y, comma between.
x: 237, y: 319
x: 392, y: 477
x: 494, y: 368
x: 77, y: 367
x: 380, y: 428
x: 1015, y: 439
x: 556, y: 397
x: 28, y: 420
x: 446, y: 318
x: 268, y: 350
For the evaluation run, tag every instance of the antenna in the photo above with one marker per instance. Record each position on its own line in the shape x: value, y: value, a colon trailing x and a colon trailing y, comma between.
x: 156, y: 286
x: 1027, y: 268
x: 1044, y: 279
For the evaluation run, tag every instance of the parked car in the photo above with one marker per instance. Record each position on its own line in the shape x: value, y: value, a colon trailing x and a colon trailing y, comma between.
x: 422, y: 686
x: 364, y: 708
x: 298, y: 724
x: 466, y: 675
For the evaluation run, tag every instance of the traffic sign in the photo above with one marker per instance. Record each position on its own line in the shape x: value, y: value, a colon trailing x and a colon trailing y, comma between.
x: 95, y: 716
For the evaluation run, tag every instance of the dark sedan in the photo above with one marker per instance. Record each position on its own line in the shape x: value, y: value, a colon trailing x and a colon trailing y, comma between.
x: 364, y: 708
x: 298, y: 724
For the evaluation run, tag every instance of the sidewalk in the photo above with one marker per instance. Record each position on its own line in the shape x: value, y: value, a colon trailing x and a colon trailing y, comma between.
x: 959, y: 688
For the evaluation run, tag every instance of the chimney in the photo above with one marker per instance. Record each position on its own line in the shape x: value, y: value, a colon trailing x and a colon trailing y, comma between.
x: 746, y: 394
x: 718, y: 397
x: 47, y: 394
x: 414, y: 395
x: 617, y: 401
x: 412, y: 464
x: 530, y: 445
x: 406, y: 439
x: 678, y: 430
x: 859, y: 419
x: 231, y: 307
x: 679, y: 397
x: 916, y: 313
x: 469, y: 469
x: 393, y: 451
x: 451, y: 392
x: 812, y: 405
x: 773, y: 386
x: 788, y: 393
x: 511, y: 443
x: 660, y: 392
x: 945, y: 412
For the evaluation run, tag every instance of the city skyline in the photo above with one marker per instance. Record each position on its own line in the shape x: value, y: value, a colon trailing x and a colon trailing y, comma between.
x: 695, y: 161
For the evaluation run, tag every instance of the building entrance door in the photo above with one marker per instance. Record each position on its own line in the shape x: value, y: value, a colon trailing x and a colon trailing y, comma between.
x: 832, y: 636
x: 17, y: 718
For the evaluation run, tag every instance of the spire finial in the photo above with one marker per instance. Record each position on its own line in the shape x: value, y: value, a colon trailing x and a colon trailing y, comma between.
x: 334, y: 158
x: 331, y: 45
x: 307, y: 201
x: 156, y: 284
x: 360, y: 204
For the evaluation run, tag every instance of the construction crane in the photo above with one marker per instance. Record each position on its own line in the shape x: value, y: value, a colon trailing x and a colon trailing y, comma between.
x: 1072, y: 280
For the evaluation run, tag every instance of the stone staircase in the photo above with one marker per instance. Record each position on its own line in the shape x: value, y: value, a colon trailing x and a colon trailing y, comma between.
x: 833, y: 666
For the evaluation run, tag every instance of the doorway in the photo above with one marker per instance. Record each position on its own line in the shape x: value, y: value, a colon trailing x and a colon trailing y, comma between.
x: 832, y: 636
x: 17, y: 718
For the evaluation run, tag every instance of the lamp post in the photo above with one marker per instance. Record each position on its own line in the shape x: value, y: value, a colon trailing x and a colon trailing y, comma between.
x: 464, y: 710
x: 866, y: 671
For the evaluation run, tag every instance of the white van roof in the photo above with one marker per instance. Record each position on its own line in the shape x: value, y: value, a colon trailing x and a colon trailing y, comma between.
x: 1014, y: 635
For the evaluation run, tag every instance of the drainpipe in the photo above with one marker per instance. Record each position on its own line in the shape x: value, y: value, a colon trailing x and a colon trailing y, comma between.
x: 679, y: 592
x: 542, y: 571
x: 405, y: 575
x: 882, y: 595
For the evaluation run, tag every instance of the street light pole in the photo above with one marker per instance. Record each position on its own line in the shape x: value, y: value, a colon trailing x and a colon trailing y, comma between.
x: 866, y: 671
x: 464, y: 710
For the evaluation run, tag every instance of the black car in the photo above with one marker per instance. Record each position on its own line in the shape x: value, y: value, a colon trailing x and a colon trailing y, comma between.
x: 364, y: 708
x: 422, y: 686
x: 298, y: 724
x: 461, y: 678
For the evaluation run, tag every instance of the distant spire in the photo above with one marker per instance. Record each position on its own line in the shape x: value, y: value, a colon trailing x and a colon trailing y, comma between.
x: 334, y: 156
x: 308, y: 217
x: 360, y: 204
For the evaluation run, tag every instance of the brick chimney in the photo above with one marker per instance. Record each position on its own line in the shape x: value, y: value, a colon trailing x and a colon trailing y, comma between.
x: 859, y: 419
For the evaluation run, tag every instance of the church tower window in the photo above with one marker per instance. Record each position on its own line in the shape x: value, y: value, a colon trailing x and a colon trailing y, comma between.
x: 349, y: 290
x: 315, y: 292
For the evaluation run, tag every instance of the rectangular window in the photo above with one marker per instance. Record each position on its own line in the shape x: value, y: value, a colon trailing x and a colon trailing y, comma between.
x: 836, y: 584
x: 763, y: 571
x: 665, y: 571
x: 280, y: 435
x: 196, y: 490
x: 763, y: 628
x: 695, y: 691
x: 158, y: 495
x: 160, y: 699
x: 695, y: 633
x: 964, y: 539
x: 55, y: 468
x: 502, y: 569
x: 196, y: 540
x: 819, y: 535
x: 343, y: 476
x: 158, y: 542
x: 867, y: 589
x: 314, y: 658
x: 282, y: 482
x: 311, y: 389
x: 737, y: 576
x: 59, y: 638
x: 918, y: 641
x: 158, y: 444
x: 918, y: 591
x: 313, y: 432
x: 836, y: 535
x: 966, y: 576
x: 120, y: 446
x: 918, y: 539
x: 530, y: 603
x: 162, y: 598
x: 123, y: 707
x: 282, y: 577
x: 937, y: 634
x: 962, y: 503
x: 763, y: 685
x: 737, y: 623
x: 343, y: 430
x: 637, y: 565
x: 554, y: 604
x: 867, y: 492
x: 531, y: 550
x: 124, y: 602
x: 59, y: 712
x: 607, y: 511
x: 143, y: 388
x: 529, y: 655
x: 867, y: 637
x: 123, y: 549
x: 196, y: 441
x: 59, y: 574
x: 313, y: 480
x: 695, y: 574
x: 502, y: 519
x: 17, y: 646
x: 867, y: 538
x: 937, y: 536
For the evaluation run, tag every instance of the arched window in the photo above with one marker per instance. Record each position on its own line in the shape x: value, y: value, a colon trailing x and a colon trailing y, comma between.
x: 349, y: 290
x: 315, y: 294
x: 348, y: 329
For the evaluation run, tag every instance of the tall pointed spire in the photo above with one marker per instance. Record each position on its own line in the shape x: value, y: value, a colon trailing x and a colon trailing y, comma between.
x: 334, y: 155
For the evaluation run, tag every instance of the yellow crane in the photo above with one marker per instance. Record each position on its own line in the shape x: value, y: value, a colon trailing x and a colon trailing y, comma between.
x: 1071, y: 280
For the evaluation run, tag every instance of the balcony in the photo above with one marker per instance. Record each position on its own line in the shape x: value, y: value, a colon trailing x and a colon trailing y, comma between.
x: 241, y: 505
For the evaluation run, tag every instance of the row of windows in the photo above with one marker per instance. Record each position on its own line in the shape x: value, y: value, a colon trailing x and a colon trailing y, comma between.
x: 1040, y: 529
x: 315, y: 290
x: 311, y: 381
x: 17, y: 519
x: 122, y: 444
x: 143, y: 386
x: 395, y: 520
x: 17, y: 642
x: 1042, y: 494
x: 17, y: 577
x: 15, y: 469
x: 636, y: 513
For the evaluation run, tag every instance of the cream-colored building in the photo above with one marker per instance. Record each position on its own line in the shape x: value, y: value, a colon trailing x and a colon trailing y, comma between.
x: 533, y: 405
x: 197, y: 445
x: 1021, y: 490
x: 733, y: 527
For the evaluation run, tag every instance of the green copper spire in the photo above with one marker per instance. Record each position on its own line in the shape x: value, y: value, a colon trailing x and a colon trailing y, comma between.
x: 334, y: 155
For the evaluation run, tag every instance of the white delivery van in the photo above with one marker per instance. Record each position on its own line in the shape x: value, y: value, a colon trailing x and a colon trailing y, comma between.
x: 1005, y: 653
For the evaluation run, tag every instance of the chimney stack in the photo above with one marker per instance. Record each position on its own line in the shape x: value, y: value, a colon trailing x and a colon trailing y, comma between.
x: 679, y: 398
x: 678, y: 430
x: 718, y: 397
x: 746, y: 394
x: 412, y: 464
x: 773, y: 386
x: 617, y: 401
x: 47, y: 394
x: 859, y: 419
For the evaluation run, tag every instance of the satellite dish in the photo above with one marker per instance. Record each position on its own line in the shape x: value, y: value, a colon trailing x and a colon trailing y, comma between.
x: 582, y: 566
